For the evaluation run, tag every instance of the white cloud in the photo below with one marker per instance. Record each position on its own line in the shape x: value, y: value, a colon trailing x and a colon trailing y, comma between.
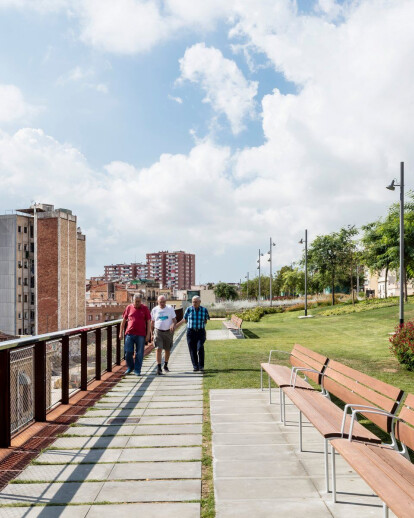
x: 175, y: 99
x: 13, y: 106
x: 226, y: 88
x: 84, y: 78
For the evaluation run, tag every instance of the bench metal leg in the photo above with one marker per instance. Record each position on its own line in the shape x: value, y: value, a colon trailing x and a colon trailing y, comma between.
x: 270, y: 390
x: 326, y: 466
x: 284, y: 407
x: 385, y: 507
x: 333, y: 475
x: 261, y: 378
x: 281, y: 405
x: 300, y: 431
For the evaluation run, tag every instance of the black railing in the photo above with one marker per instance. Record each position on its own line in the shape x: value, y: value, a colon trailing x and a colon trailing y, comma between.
x: 39, y: 372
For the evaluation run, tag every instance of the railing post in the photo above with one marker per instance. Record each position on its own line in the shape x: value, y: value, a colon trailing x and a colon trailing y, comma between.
x: 65, y: 370
x: 98, y: 353
x: 118, y: 345
x: 84, y: 360
x: 5, y: 422
x: 40, y: 381
x: 109, y: 348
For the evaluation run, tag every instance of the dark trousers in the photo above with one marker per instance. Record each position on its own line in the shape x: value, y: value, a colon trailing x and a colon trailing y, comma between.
x: 195, y: 341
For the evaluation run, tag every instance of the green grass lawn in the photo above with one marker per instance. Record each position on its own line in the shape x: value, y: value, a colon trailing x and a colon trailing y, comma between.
x: 359, y: 340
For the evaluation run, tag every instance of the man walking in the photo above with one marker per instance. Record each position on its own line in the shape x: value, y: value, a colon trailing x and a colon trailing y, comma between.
x: 137, y: 320
x: 196, y: 317
x: 163, y: 321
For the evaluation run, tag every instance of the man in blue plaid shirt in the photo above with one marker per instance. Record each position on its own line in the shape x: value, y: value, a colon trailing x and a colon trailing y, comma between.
x: 196, y: 317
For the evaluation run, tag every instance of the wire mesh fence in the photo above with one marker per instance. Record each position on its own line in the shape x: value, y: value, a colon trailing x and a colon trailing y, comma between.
x: 104, y: 350
x: 53, y: 372
x: 21, y: 387
x: 74, y: 364
x: 114, y: 335
x: 91, y: 355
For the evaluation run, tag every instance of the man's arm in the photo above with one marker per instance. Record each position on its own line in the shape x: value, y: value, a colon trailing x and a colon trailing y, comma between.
x: 173, y: 325
x: 148, y: 337
x: 121, y: 331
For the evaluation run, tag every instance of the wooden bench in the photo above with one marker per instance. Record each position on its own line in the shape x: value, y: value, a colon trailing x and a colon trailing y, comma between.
x: 357, y: 391
x: 234, y: 325
x: 302, y: 360
x: 386, y: 469
x: 347, y: 384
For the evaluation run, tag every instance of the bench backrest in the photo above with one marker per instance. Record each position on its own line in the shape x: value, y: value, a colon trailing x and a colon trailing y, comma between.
x: 352, y: 386
x: 303, y: 357
x: 404, y: 432
x: 237, y: 321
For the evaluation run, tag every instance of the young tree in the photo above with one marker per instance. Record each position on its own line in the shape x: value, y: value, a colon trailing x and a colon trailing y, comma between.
x: 225, y: 291
x: 375, y: 253
x: 331, y: 255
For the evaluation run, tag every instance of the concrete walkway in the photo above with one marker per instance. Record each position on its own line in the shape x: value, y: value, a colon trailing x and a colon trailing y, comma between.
x: 137, y: 452
x: 259, y: 472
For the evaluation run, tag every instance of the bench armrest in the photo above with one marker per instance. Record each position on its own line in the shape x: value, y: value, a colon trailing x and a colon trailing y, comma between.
x: 355, y: 409
x: 276, y: 351
x: 294, y: 374
x: 376, y: 411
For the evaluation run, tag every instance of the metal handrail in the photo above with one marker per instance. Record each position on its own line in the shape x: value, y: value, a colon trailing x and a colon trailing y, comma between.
x: 12, y: 344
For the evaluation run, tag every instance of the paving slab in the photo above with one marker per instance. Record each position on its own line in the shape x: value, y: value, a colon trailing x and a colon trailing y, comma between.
x: 160, y: 454
x: 79, y: 456
x: 297, y: 508
x: 149, y: 510
x: 48, y: 493
x: 165, y: 440
x: 156, y: 470
x: 98, y: 431
x: 68, y: 443
x: 175, y: 411
x: 66, y: 473
x: 150, y: 491
x: 78, y: 511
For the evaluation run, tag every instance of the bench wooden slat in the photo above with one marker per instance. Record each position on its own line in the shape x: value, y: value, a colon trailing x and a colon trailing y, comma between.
x: 312, y: 354
x: 370, y: 395
x: 325, y: 416
x: 280, y: 374
x: 314, y: 364
x: 315, y: 377
x: 383, y: 477
x: 380, y: 386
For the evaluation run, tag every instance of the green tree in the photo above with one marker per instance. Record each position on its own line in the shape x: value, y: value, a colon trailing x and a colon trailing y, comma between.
x: 375, y: 254
x: 225, y: 291
x: 293, y: 282
x: 331, y: 255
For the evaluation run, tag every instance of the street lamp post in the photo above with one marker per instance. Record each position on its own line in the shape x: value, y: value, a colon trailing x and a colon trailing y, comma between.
x: 392, y: 187
x: 270, y: 261
x: 260, y: 293
x: 306, y: 270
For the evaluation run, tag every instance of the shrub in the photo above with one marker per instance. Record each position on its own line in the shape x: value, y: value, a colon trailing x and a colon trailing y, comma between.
x: 402, y: 344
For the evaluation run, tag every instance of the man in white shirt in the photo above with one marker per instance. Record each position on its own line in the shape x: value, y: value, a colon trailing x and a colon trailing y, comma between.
x: 163, y: 321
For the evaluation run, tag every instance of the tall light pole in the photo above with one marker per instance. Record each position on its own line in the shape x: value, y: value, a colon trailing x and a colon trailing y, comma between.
x: 392, y: 187
x: 260, y: 294
x: 247, y: 289
x: 270, y: 261
x: 306, y: 270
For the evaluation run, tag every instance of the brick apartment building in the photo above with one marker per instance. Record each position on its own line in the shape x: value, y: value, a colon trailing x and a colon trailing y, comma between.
x: 175, y: 270
x: 126, y: 271
x: 42, y: 271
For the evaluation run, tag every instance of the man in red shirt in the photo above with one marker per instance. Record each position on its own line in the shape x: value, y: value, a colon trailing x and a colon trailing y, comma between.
x: 137, y: 320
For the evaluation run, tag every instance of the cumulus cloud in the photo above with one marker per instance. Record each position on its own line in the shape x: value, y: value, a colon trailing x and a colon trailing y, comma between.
x: 226, y: 88
x: 84, y: 77
x: 13, y: 106
x: 175, y: 99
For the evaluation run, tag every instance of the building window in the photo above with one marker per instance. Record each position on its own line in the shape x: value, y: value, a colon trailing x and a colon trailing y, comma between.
x: 19, y: 264
x: 20, y: 330
x: 31, y: 231
x: 25, y: 247
x: 19, y: 316
x: 97, y: 317
x: 25, y: 331
x: 32, y: 300
x: 90, y: 317
x: 19, y: 229
x: 25, y: 281
x: 25, y: 315
x: 19, y: 281
x: 25, y: 230
x: 19, y: 298
x: 19, y: 246
x: 25, y: 264
x: 25, y: 298
x: 32, y: 315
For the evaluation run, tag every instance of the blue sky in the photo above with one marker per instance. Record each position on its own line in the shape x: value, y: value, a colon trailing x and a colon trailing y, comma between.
x: 204, y: 126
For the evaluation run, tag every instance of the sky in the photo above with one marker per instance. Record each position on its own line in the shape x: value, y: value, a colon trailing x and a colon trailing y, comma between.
x: 206, y: 126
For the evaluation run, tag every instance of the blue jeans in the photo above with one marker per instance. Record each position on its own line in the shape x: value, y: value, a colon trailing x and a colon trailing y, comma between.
x: 195, y: 342
x: 139, y: 342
